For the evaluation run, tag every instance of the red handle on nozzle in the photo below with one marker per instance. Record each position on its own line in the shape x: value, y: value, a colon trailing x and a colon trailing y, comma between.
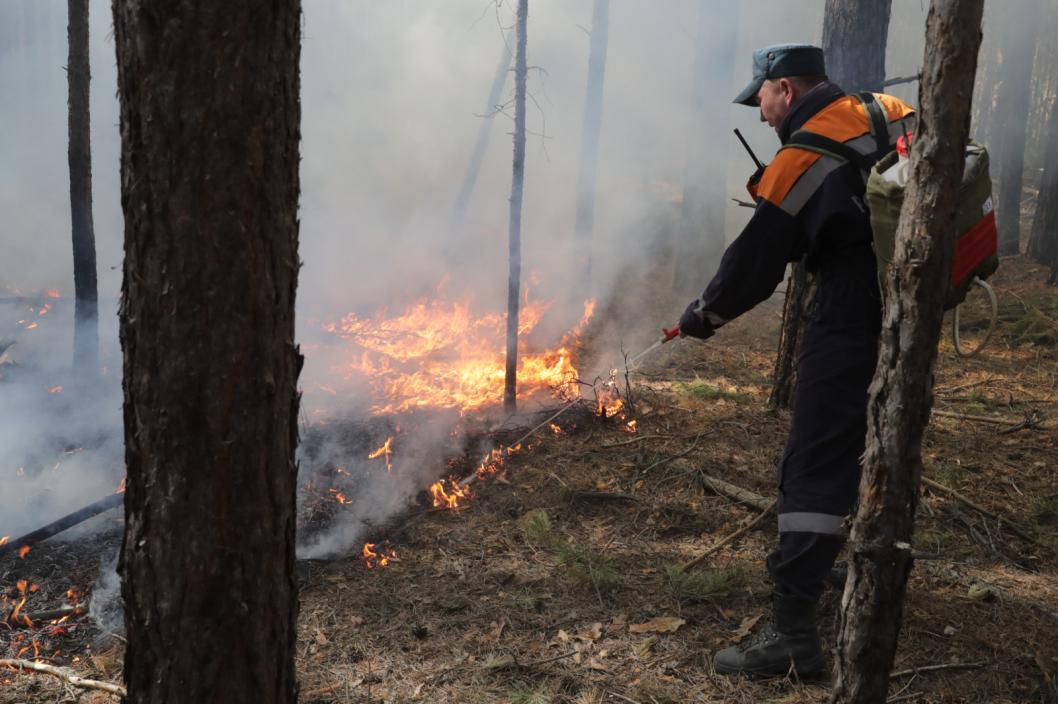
x: 669, y: 334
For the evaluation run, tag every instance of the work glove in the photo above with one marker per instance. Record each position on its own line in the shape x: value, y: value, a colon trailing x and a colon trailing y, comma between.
x: 694, y: 324
x: 754, y: 182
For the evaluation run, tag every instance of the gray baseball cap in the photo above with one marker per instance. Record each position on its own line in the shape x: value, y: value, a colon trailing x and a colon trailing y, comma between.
x: 779, y: 61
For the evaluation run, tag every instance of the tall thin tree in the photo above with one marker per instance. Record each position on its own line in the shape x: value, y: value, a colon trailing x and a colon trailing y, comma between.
x: 86, y: 293
x: 901, y: 393
x: 591, y: 130
x: 700, y: 239
x: 1012, y: 115
x: 855, y: 33
x: 1043, y: 239
x: 210, y: 130
x: 514, y: 237
x: 481, y: 142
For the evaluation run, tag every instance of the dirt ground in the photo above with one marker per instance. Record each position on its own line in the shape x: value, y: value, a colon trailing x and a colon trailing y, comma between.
x: 559, y: 581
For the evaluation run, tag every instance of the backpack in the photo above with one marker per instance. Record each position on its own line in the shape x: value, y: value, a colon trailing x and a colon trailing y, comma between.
x: 976, y: 247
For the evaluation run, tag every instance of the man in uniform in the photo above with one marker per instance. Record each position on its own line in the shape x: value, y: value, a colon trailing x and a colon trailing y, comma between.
x: 809, y: 206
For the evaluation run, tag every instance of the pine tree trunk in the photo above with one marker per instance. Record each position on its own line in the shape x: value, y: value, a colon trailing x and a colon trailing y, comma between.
x: 86, y: 296
x: 589, y: 149
x: 210, y: 122
x: 700, y: 243
x: 1043, y: 240
x: 901, y: 393
x: 854, y: 40
x: 514, y: 241
x: 1012, y: 109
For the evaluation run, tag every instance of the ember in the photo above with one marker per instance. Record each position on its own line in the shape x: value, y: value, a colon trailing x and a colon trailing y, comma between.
x: 387, y: 451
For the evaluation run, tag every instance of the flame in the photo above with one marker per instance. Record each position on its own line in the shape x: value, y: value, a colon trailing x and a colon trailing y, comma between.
x: 438, y: 354
x: 22, y: 551
x: 21, y: 585
x: 555, y: 428
x: 451, y: 497
x: 380, y: 558
x: 121, y: 486
x: 632, y: 425
x: 4, y: 540
x: 338, y: 496
x: 55, y: 390
x: 52, y: 293
x: 608, y: 401
x: 387, y: 451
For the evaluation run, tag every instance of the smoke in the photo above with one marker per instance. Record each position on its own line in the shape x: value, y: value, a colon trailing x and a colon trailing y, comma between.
x: 106, y: 607
x: 393, y: 96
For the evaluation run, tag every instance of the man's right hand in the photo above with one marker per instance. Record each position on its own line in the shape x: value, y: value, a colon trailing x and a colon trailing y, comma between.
x: 754, y: 181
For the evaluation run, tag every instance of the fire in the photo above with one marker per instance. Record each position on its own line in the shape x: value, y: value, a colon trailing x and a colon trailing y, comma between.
x: 555, y: 428
x: 55, y: 390
x: 338, y: 496
x: 121, y: 486
x: 632, y: 425
x: 4, y: 540
x: 23, y: 551
x: 52, y: 293
x: 494, y: 460
x: 448, y: 498
x: 608, y: 401
x: 387, y: 451
x: 441, y: 355
x: 378, y: 558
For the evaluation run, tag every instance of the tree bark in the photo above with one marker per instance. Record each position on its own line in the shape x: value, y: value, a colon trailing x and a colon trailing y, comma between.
x: 514, y: 239
x: 86, y: 296
x: 210, y: 120
x: 901, y: 393
x: 1012, y: 112
x: 854, y: 39
x: 589, y: 149
x: 701, y: 241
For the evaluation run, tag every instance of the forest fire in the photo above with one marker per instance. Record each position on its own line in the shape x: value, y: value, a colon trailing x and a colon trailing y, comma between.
x: 385, y: 451
x: 440, y: 355
x: 451, y: 497
x: 381, y: 557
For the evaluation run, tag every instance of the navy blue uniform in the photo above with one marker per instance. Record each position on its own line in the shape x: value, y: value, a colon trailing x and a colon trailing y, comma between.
x: 810, y: 205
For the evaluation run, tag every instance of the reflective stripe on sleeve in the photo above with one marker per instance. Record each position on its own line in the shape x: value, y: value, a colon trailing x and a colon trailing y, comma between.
x: 808, y: 184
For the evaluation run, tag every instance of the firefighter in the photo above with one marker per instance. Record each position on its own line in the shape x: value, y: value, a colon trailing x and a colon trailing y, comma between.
x: 810, y: 208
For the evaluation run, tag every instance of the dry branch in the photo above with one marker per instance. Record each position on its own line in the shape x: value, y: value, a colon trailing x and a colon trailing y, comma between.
x: 62, y: 673
x: 734, y: 536
x: 979, y: 508
x: 737, y: 493
x: 931, y: 668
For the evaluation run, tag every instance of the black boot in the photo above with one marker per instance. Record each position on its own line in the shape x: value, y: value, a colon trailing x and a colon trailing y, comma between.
x: 788, y: 642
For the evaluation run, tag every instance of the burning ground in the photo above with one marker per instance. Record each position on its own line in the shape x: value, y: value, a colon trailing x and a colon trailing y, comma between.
x: 554, y: 580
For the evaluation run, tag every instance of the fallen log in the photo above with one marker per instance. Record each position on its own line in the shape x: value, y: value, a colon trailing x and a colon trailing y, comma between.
x: 66, y: 522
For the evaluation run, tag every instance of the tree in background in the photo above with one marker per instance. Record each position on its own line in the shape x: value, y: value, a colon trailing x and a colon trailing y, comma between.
x: 210, y: 130
x: 514, y: 236
x: 1043, y: 239
x: 700, y: 241
x: 86, y: 295
x: 1010, y: 116
x: 589, y: 149
x: 901, y: 393
x: 854, y: 40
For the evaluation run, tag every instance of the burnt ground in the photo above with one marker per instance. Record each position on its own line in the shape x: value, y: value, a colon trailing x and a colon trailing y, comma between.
x: 556, y: 583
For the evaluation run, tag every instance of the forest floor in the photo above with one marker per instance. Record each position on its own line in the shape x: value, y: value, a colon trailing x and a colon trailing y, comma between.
x: 559, y: 582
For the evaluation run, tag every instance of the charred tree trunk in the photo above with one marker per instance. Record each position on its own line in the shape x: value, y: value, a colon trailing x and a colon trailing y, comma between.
x: 1043, y: 240
x: 589, y: 149
x: 514, y: 240
x: 86, y: 296
x: 854, y: 40
x: 481, y: 143
x: 701, y: 241
x: 901, y: 393
x: 210, y: 129
x: 1012, y: 110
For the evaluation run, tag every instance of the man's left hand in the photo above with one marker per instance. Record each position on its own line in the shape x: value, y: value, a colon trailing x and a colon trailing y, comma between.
x: 694, y: 324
